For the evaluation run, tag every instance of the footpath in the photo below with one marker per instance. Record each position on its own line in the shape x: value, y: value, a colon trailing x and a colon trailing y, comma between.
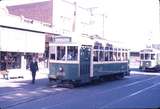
x: 16, y: 91
x: 21, y: 78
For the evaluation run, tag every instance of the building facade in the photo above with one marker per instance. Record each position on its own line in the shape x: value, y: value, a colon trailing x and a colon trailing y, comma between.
x: 20, y: 38
x: 61, y: 16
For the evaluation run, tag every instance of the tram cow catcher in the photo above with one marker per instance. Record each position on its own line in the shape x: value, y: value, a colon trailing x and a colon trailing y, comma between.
x: 82, y: 60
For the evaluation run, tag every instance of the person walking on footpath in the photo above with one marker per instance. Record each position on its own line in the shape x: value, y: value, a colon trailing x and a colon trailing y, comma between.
x: 33, y: 69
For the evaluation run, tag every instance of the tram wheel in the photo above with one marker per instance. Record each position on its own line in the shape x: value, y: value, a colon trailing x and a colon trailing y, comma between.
x: 119, y: 76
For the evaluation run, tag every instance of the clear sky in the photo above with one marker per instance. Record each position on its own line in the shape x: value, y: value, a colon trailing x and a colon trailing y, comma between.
x: 135, y: 22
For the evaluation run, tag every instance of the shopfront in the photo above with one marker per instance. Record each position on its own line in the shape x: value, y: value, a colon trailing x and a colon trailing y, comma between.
x: 18, y: 45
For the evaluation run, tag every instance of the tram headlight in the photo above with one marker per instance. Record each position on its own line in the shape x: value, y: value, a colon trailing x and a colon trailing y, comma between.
x: 61, y: 69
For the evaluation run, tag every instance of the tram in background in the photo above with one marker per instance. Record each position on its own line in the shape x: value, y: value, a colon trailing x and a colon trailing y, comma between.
x: 150, y: 59
x: 85, y: 59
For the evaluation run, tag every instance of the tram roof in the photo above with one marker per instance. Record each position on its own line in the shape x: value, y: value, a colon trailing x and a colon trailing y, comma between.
x: 150, y: 50
x: 91, y: 40
x: 77, y: 40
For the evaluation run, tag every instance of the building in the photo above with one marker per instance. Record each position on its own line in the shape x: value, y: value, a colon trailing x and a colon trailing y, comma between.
x: 53, y: 14
x: 20, y: 38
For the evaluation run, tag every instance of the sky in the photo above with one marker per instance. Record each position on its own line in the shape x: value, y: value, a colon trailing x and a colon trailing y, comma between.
x: 134, y: 22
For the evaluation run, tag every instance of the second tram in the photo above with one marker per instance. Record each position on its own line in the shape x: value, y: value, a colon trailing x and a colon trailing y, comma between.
x: 150, y: 59
x: 77, y: 62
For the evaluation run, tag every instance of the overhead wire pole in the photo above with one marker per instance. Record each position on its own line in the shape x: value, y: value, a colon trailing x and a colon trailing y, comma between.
x: 74, y: 17
x: 103, y: 23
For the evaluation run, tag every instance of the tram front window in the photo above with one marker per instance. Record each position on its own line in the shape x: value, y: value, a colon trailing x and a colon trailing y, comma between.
x: 61, y: 52
x: 147, y: 56
x: 72, y: 52
x: 152, y: 56
x: 142, y: 56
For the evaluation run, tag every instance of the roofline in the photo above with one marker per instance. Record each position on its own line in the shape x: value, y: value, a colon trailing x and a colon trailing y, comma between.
x: 20, y: 2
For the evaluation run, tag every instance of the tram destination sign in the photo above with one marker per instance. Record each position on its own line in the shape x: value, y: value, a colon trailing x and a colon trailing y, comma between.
x: 62, y: 39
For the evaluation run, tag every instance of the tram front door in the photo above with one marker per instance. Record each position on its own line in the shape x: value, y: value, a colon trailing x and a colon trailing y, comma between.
x: 85, y: 58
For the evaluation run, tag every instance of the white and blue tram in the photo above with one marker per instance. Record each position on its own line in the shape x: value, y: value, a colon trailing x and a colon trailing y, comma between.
x: 150, y: 59
x: 78, y: 62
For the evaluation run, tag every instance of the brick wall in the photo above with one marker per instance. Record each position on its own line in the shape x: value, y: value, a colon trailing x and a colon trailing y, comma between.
x: 41, y: 11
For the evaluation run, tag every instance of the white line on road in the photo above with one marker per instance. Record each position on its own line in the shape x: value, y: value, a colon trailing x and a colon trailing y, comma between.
x: 134, y: 83
x: 133, y: 94
x: 146, y: 73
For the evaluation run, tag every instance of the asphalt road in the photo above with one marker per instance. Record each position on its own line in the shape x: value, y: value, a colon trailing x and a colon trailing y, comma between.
x: 139, y: 90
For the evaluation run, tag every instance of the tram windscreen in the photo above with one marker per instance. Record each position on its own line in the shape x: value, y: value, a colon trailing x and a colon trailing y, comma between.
x: 72, y: 52
x: 152, y: 56
x: 142, y: 56
x: 147, y: 56
x: 61, y: 52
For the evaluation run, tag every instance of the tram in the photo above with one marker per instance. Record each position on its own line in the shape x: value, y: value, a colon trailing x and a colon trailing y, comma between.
x: 85, y: 59
x: 150, y: 59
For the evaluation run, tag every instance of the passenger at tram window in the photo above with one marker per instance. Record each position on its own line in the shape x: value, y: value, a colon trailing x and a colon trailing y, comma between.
x: 95, y: 57
x: 106, y: 56
x: 72, y: 52
x: 110, y: 56
x: 60, y: 53
x: 101, y: 56
x: 122, y: 58
x: 70, y: 56
x: 95, y: 47
x: 126, y: 56
x: 119, y: 57
x: 75, y: 57
x: 115, y: 56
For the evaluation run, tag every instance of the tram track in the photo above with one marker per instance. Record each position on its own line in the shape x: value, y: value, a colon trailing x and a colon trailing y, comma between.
x: 112, y: 104
x: 19, y: 97
x: 45, y: 92
x: 131, y: 90
x: 111, y: 95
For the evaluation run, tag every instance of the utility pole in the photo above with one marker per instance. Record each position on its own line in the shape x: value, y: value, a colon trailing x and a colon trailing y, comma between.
x: 74, y: 17
x: 103, y: 24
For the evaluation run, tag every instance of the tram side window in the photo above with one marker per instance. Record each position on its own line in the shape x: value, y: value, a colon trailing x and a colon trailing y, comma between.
x: 119, y: 56
x: 101, y: 56
x: 95, y: 56
x: 60, y: 52
x: 158, y: 57
x: 52, y: 52
x: 72, y: 52
x: 123, y: 56
x: 110, y: 55
x: 152, y: 56
x: 126, y: 56
x: 106, y: 56
x: 142, y: 56
x: 115, y: 56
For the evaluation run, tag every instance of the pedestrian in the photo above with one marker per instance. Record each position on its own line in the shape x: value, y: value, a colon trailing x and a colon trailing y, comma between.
x: 33, y: 69
x: 4, y: 69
